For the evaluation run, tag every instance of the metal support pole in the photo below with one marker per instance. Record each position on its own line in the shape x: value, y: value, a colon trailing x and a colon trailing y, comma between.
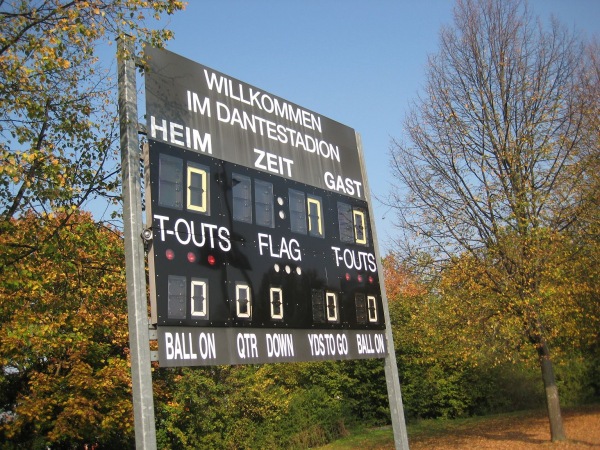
x: 391, y: 368
x: 141, y: 373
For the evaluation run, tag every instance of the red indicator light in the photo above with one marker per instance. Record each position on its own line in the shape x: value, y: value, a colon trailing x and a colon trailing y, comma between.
x: 170, y: 254
x: 371, y: 279
x: 211, y: 260
x: 191, y: 257
x: 347, y: 277
x: 360, y: 278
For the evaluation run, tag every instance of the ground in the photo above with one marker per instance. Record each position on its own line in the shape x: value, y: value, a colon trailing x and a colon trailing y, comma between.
x: 582, y: 426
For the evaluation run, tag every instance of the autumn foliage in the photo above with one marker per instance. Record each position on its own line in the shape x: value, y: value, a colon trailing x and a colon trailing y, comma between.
x: 64, y: 376
x: 63, y: 329
x: 399, y: 281
x: 503, y: 256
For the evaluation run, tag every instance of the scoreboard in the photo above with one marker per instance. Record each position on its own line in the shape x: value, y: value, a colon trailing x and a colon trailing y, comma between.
x: 262, y: 248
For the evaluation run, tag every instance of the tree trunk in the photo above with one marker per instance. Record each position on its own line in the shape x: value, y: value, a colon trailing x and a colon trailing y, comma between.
x: 557, y: 431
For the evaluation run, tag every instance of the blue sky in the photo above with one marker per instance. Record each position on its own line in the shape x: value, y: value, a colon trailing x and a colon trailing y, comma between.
x: 357, y: 62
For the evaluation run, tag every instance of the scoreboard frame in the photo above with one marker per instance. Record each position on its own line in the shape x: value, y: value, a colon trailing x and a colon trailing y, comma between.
x: 263, y: 247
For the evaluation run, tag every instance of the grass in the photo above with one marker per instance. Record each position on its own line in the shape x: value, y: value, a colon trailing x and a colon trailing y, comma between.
x: 365, y: 439
x: 383, y: 438
x: 518, y: 430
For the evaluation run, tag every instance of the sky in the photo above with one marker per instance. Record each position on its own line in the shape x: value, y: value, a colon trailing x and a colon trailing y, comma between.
x: 360, y: 63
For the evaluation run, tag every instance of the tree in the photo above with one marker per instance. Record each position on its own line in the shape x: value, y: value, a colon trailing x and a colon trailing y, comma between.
x: 57, y: 115
x: 492, y: 169
x: 64, y: 374
x: 590, y: 97
x: 64, y: 370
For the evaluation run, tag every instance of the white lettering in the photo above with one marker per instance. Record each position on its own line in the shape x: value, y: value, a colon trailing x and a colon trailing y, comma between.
x: 330, y: 344
x: 277, y: 132
x: 187, y: 234
x: 207, y: 345
x: 280, y: 345
x: 161, y: 226
x: 355, y: 260
x: 177, y: 134
x: 317, y: 344
x: 364, y: 344
x: 154, y: 128
x: 192, y: 355
x: 196, y: 106
x: 224, y: 241
x: 181, y: 351
x: 247, y: 345
x: 379, y: 343
x: 258, y: 162
x: 289, y: 249
x: 342, y: 344
x: 211, y: 229
x: 262, y: 101
x: 275, y: 164
x: 169, y: 349
x: 196, y: 233
x: 327, y: 344
x: 346, y: 185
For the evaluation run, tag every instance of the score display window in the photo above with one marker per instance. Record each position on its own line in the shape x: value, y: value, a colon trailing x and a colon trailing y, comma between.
x: 199, y: 298
x: 243, y: 301
x: 177, y: 296
x: 306, y: 213
x: 297, y: 205
x: 315, y: 216
x: 171, y: 183
x: 325, y: 306
x: 242, y: 198
x: 372, y: 308
x: 276, y: 297
x: 197, y: 188
x: 264, y: 204
x: 352, y: 224
x: 239, y: 247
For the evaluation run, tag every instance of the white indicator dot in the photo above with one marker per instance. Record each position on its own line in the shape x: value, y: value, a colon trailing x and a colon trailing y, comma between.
x: 288, y: 269
x: 276, y: 267
x: 280, y: 201
x: 281, y: 215
x: 298, y: 270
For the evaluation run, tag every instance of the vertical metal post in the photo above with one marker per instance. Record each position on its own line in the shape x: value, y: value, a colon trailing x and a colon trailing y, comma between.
x: 143, y: 402
x: 391, y: 368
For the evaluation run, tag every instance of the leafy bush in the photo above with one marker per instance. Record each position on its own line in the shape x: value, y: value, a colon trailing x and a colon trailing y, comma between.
x: 271, y: 406
x: 577, y: 380
x: 314, y: 418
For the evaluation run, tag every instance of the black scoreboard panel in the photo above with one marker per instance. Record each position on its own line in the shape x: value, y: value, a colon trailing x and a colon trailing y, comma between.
x: 238, y: 247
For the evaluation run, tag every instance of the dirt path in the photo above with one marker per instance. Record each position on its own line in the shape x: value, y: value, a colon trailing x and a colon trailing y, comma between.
x: 532, y: 432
